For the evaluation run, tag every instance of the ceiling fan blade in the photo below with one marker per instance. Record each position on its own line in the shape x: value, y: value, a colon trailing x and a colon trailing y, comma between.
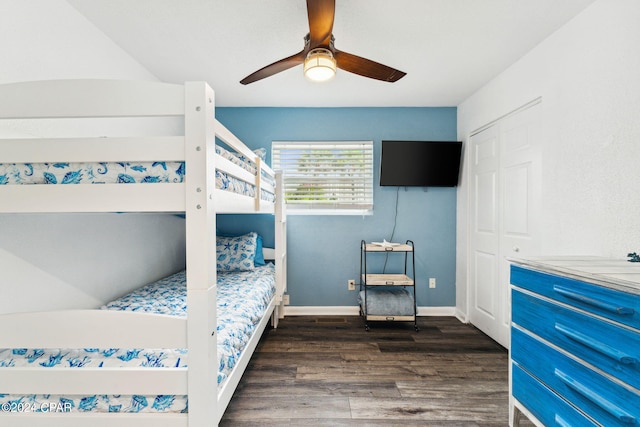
x: 321, y: 14
x: 276, y: 67
x: 366, y: 67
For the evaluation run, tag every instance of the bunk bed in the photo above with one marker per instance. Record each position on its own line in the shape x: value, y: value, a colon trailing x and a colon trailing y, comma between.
x: 206, y: 183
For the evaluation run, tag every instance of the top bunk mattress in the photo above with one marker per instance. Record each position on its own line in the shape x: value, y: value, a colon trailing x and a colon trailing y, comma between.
x: 129, y: 172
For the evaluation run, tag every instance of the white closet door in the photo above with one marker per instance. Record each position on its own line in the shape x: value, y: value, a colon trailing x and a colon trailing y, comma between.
x: 504, y: 203
x: 519, y: 137
x: 484, y: 307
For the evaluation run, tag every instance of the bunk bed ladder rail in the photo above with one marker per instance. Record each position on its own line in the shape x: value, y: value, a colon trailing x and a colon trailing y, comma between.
x: 201, y: 254
x: 281, y: 248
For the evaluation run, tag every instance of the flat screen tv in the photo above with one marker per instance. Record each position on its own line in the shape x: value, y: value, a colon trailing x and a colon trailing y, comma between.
x: 420, y: 163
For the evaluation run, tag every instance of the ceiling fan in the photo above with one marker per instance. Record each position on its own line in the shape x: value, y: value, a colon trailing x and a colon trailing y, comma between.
x: 320, y: 57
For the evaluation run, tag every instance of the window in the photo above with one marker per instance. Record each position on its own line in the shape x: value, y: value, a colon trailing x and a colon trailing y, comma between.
x: 326, y: 177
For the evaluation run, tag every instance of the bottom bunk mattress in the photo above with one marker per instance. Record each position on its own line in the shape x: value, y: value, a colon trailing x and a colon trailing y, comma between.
x: 242, y: 301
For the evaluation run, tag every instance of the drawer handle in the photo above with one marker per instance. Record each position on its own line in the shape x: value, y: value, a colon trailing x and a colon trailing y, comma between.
x: 596, y: 345
x: 561, y: 422
x: 389, y: 282
x: 594, y: 397
x: 612, y: 308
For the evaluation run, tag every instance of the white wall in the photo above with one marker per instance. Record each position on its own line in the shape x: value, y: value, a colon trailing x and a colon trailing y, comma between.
x: 48, y: 39
x: 72, y: 260
x: 588, y: 75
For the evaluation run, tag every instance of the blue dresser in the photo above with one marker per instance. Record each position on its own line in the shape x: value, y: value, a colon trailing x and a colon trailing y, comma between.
x: 575, y: 342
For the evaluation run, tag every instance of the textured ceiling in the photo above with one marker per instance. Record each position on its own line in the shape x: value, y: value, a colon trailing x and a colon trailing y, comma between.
x: 448, y: 48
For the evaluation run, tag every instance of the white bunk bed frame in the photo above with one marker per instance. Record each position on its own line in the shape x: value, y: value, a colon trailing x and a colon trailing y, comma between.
x: 197, y: 197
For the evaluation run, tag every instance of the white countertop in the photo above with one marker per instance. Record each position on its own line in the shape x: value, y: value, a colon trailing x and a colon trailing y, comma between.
x: 613, y: 273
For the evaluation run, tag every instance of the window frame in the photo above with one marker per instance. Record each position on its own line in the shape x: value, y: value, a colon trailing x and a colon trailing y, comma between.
x: 363, y: 178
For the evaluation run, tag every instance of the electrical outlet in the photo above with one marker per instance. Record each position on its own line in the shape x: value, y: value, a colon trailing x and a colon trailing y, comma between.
x: 432, y: 282
x: 285, y: 299
x: 351, y: 284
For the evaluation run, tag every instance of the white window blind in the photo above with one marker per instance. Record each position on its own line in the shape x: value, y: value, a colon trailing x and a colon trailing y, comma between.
x: 325, y: 176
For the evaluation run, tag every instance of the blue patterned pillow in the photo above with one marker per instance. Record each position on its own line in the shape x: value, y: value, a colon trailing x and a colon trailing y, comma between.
x: 236, y: 253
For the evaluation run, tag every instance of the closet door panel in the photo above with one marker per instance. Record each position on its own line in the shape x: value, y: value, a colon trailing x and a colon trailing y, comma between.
x: 484, y: 309
x: 504, y: 201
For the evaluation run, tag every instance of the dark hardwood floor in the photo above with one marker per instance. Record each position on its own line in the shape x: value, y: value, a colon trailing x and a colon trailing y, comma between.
x: 328, y: 371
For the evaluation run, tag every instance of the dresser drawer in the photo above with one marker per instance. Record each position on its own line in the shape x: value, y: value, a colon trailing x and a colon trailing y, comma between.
x: 609, y: 303
x: 612, y: 348
x: 607, y: 402
x: 544, y: 404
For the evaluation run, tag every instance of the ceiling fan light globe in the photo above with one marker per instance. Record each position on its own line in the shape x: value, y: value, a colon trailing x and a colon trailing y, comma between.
x: 320, y: 65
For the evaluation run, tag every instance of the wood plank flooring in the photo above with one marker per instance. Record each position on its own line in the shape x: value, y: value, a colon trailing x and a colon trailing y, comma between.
x: 328, y: 371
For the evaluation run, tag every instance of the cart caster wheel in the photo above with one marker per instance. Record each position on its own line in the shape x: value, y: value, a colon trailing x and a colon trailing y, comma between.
x: 416, y: 328
x: 367, y: 328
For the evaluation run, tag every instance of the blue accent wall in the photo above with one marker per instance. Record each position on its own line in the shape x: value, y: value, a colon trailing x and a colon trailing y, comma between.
x: 324, y: 251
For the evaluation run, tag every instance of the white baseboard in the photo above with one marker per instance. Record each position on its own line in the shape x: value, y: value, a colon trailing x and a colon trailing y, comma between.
x: 304, y: 310
x: 290, y: 310
x: 436, y: 311
x: 461, y: 316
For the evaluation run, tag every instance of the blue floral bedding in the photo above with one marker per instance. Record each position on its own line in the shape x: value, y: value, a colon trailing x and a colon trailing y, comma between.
x: 242, y: 298
x: 125, y: 173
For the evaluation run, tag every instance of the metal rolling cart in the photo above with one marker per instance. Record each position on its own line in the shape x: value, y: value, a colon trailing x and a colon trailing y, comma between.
x: 388, y: 297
